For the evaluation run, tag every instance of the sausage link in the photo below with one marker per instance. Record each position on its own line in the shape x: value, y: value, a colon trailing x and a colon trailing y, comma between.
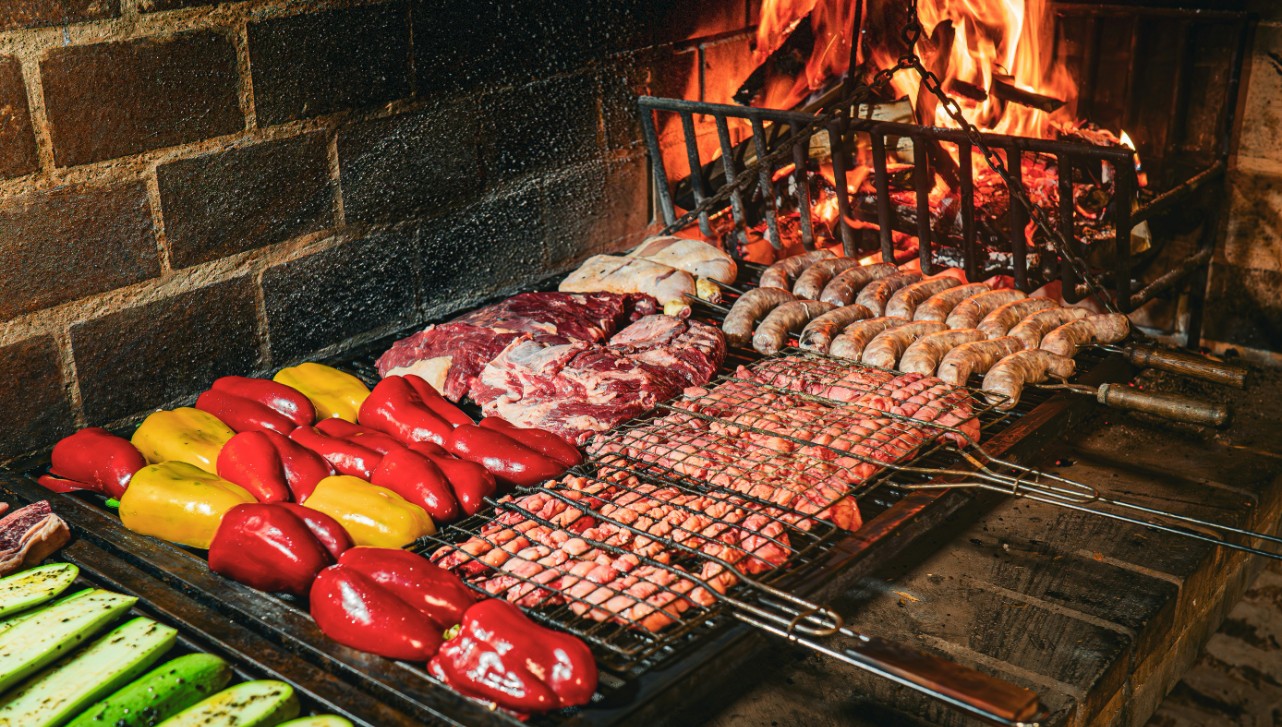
x: 790, y: 317
x: 1031, y: 330
x: 903, y: 304
x: 925, y: 353
x: 810, y: 283
x: 1008, y: 377
x: 1103, y: 328
x: 876, y: 294
x: 842, y: 289
x: 884, y: 350
x: 1005, y: 317
x: 938, y: 306
x: 971, y: 311
x: 850, y: 343
x: 818, y: 333
x: 750, y: 308
x: 975, y: 358
x: 782, y: 273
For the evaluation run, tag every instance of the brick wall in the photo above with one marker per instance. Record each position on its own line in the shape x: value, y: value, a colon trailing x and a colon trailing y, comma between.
x: 192, y: 188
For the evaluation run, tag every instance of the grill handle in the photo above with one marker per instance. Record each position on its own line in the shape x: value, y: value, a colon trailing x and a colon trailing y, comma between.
x: 1187, y: 364
x: 1168, y: 406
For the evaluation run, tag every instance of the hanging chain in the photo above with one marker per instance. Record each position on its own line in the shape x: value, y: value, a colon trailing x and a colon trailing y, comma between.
x: 1061, y: 246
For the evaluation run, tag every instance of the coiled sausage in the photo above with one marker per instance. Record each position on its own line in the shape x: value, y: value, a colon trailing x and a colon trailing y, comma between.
x: 971, y: 311
x: 818, y: 333
x: 1103, y: 328
x: 842, y: 289
x: 782, y: 273
x: 903, y: 304
x: 750, y: 308
x: 1008, y: 377
x: 787, y: 318
x: 978, y: 357
x: 876, y: 294
x: 1031, y: 330
x: 1005, y: 317
x: 926, y: 352
x: 938, y: 306
x: 810, y: 283
x: 850, y: 343
x: 884, y: 350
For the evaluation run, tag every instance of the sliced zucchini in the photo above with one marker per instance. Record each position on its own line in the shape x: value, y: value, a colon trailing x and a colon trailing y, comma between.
x: 40, y: 638
x: 320, y: 720
x: 160, y: 693
x: 33, y: 587
x: 263, y: 703
x: 62, y: 690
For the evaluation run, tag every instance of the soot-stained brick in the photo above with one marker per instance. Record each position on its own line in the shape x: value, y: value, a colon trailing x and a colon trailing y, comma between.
x: 143, y: 357
x: 227, y: 202
x: 113, y: 99
x: 410, y: 165
x: 41, y: 13
x: 33, y: 400
x: 341, y: 292
x: 499, y: 243
x: 17, y: 140
x: 308, y: 65
x: 541, y: 126
x: 67, y: 243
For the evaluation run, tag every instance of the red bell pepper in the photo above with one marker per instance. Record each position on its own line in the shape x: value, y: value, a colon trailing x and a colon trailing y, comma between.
x: 331, y: 533
x: 394, y: 407
x: 93, y: 459
x: 247, y: 404
x: 345, y: 456
x: 540, y: 440
x: 355, y: 610
x: 436, y: 592
x: 271, y: 466
x: 417, y: 479
x: 443, y: 407
x: 511, y: 462
x: 502, y: 656
x: 357, y: 434
x: 268, y: 547
x: 470, y: 482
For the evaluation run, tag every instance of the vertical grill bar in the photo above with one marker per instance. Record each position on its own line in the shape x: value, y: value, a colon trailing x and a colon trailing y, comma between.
x: 697, y: 181
x: 656, y: 159
x: 1018, y: 220
x: 922, y: 184
x: 1067, y: 209
x: 800, y: 177
x: 1123, y: 191
x: 881, y: 180
x: 767, y: 187
x: 836, y: 136
x: 727, y: 161
x: 966, y: 174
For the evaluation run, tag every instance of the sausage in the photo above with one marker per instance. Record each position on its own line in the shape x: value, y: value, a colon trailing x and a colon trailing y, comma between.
x: 884, y: 350
x: 1030, y: 330
x: 925, y: 353
x: 818, y: 334
x: 975, y: 358
x: 971, y: 311
x: 850, y: 343
x: 790, y: 317
x: 810, y: 283
x: 842, y: 289
x: 782, y: 273
x: 1005, y: 317
x: 876, y: 294
x: 750, y: 308
x: 938, y: 306
x: 1008, y: 376
x: 903, y: 304
x: 1103, y: 328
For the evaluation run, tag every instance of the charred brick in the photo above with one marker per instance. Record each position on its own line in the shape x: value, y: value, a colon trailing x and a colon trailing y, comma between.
x: 411, y: 165
x: 33, y: 399
x: 139, y: 358
x: 231, y: 201
x: 499, y: 242
x: 540, y: 126
x: 309, y: 65
x: 17, y: 140
x: 113, y: 99
x: 68, y: 243
x: 152, y: 6
x: 1242, y: 307
x: 41, y: 13
x: 333, y: 295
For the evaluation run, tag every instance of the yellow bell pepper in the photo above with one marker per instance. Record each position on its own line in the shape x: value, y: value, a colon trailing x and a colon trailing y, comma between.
x: 334, y: 393
x: 372, y: 515
x: 182, y: 435
x: 179, y: 502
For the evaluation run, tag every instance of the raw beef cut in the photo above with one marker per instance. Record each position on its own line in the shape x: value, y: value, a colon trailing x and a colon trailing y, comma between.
x: 449, y: 356
x: 577, y: 388
x: 29, y: 535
